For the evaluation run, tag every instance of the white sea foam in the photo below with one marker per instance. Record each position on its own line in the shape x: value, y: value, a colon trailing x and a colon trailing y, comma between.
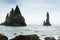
x: 41, y: 31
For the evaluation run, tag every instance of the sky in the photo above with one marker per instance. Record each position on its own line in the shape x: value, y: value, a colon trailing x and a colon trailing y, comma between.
x: 34, y: 11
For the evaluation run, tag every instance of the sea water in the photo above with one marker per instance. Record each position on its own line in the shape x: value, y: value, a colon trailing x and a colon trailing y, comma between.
x: 41, y: 31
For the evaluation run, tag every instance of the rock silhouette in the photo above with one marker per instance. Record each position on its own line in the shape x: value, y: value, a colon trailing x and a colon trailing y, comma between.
x: 15, y: 18
x: 3, y: 37
x: 49, y: 38
x: 26, y: 37
x: 47, y: 23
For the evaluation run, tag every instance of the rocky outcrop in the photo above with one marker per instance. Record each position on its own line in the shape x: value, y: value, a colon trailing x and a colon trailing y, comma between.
x: 15, y: 18
x: 49, y: 38
x: 3, y: 37
x: 26, y: 37
x: 58, y: 39
x: 47, y: 23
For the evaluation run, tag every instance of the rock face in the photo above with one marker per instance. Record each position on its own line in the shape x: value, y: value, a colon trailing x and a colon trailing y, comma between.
x: 47, y: 23
x: 26, y: 37
x: 15, y: 18
x: 50, y: 38
x: 58, y: 39
x: 2, y: 37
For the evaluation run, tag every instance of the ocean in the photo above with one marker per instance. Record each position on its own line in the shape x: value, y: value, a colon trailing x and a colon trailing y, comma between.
x: 40, y: 30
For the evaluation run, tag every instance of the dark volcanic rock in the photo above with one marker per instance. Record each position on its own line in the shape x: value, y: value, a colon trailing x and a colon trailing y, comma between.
x: 58, y: 39
x: 50, y: 38
x: 2, y: 37
x: 47, y: 23
x: 15, y: 18
x: 26, y: 37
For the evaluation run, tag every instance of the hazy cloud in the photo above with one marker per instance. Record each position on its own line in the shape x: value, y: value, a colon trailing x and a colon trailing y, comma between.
x: 9, y: 1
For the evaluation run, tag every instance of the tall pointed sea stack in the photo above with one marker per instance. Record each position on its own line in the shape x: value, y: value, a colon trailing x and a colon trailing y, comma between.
x: 15, y: 18
x: 47, y: 23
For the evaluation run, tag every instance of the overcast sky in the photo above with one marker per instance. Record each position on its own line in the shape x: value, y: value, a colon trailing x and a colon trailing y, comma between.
x: 34, y: 11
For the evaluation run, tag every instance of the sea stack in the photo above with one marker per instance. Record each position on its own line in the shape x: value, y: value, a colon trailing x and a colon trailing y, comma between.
x: 15, y: 18
x: 47, y: 23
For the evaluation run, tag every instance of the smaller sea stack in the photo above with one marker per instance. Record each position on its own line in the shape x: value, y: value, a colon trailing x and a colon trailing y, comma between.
x: 47, y: 23
x: 15, y: 18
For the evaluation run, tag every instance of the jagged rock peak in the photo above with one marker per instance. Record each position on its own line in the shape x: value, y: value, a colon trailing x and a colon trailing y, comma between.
x: 12, y: 10
x: 47, y: 23
x: 7, y: 16
x: 47, y: 15
x: 17, y: 10
x: 15, y: 18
